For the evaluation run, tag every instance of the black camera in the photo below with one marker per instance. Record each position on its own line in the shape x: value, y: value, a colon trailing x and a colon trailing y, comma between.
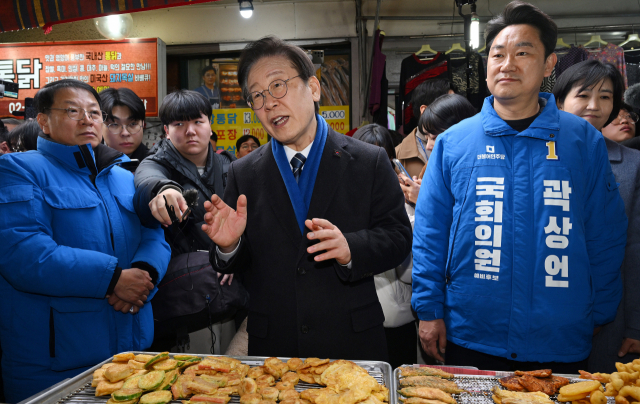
x: 8, y: 89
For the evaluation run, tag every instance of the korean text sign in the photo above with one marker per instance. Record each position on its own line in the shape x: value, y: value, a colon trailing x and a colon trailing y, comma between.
x: 101, y: 64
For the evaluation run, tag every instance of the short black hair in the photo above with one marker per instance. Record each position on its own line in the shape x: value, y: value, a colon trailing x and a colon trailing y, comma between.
x: 446, y: 111
x: 4, y: 133
x: 206, y: 69
x: 518, y: 12
x: 25, y: 136
x: 184, y: 105
x: 376, y: 135
x: 586, y: 75
x: 273, y: 46
x: 122, y: 97
x: 244, y: 138
x: 214, y: 136
x: 44, y: 98
x: 428, y: 91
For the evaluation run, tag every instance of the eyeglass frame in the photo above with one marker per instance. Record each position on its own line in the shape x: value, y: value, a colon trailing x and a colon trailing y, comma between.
x: 269, y: 91
x: 86, y: 113
x: 629, y: 117
x: 139, y: 123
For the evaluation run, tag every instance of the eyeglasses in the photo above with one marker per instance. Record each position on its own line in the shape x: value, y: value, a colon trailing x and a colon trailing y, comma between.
x: 631, y: 116
x: 247, y: 146
x: 116, y: 128
x: 78, y: 114
x: 277, y: 89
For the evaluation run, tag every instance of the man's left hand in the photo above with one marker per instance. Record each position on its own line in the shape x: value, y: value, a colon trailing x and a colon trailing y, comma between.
x: 332, y: 241
x: 629, y: 346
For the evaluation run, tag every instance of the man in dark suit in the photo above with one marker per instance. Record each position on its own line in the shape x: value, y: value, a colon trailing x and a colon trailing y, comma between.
x: 317, y: 214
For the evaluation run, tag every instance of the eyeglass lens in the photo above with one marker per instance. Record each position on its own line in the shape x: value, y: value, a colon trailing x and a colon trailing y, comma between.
x: 277, y: 89
x: 116, y: 128
x: 78, y: 114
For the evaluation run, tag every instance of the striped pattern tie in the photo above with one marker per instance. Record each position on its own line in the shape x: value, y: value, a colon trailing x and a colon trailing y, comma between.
x: 296, y: 163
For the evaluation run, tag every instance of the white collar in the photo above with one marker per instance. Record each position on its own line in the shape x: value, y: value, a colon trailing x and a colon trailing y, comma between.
x: 290, y: 153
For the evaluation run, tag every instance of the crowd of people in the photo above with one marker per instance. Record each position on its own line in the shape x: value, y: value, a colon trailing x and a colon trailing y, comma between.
x: 502, y: 239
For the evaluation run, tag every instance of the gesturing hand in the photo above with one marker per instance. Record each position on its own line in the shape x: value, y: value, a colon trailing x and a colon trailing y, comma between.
x: 133, y: 286
x: 223, y: 225
x: 433, y: 337
x: 331, y: 239
x: 158, y: 206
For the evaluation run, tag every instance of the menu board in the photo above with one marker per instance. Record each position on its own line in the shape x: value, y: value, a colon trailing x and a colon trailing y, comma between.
x: 131, y: 63
x: 230, y: 91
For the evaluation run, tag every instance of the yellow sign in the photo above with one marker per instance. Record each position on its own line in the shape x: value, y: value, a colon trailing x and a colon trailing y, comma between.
x: 231, y: 124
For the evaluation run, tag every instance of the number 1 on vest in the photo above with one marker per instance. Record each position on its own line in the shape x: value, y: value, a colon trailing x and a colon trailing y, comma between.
x: 551, y: 146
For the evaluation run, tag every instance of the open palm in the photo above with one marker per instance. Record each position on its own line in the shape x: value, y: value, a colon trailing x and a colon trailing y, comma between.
x: 223, y: 225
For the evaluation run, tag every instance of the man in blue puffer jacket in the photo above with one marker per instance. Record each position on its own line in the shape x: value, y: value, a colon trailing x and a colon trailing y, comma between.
x: 520, y: 230
x: 77, y: 267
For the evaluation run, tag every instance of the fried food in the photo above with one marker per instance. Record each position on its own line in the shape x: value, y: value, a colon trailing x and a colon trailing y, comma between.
x: 199, y: 385
x: 312, y: 362
x: 418, y: 400
x: 253, y: 398
x: 516, y: 397
x: 534, y: 373
x: 123, y: 357
x: 269, y: 393
x: 601, y: 377
x: 306, y: 377
x: 247, y: 386
x: 407, y: 371
x: 630, y: 391
x: 265, y: 380
x: 294, y: 363
x: 117, y: 373
x: 428, y: 393
x: 531, y: 384
x: 345, y: 375
x: 511, y: 383
x: 598, y: 397
x: 288, y: 394
x: 290, y: 377
x: 579, y: 388
x: 565, y: 399
x: 104, y: 388
x: 275, y: 367
x: 433, y: 382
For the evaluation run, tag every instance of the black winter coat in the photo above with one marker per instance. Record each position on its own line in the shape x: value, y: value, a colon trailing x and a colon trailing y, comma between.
x: 166, y: 166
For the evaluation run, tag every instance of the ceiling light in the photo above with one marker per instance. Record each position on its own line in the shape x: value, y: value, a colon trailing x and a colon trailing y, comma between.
x: 115, y: 26
x: 246, y: 8
x: 475, y: 31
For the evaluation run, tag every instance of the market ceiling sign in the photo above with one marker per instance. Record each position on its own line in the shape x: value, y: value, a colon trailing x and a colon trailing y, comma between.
x: 131, y: 63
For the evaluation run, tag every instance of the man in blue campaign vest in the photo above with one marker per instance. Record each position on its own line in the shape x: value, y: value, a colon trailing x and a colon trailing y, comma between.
x: 318, y: 215
x: 520, y: 229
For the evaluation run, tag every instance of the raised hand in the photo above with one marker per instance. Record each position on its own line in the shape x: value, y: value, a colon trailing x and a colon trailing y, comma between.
x: 332, y: 241
x: 223, y: 225
x: 158, y: 206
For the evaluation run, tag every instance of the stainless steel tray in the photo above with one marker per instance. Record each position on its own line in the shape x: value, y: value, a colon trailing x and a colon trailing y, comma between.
x: 78, y: 390
x: 479, y: 386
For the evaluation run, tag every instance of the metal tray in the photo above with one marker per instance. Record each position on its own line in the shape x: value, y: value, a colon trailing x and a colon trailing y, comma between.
x: 479, y: 386
x: 78, y: 390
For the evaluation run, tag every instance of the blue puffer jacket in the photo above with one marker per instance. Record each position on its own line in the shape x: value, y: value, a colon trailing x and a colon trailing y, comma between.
x: 519, y: 237
x: 61, y: 238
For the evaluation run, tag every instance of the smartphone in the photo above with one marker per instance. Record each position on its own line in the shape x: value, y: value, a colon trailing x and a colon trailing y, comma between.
x: 400, y: 169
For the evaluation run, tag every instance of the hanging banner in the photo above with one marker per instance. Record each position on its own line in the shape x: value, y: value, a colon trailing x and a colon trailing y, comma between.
x: 132, y: 63
x: 231, y: 124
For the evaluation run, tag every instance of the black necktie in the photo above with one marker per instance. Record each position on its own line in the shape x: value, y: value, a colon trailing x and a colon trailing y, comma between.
x: 296, y: 163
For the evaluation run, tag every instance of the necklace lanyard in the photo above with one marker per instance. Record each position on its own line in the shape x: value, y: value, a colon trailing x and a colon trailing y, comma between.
x: 426, y: 156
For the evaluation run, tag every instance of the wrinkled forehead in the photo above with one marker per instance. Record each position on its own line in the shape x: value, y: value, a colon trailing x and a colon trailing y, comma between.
x: 74, y: 96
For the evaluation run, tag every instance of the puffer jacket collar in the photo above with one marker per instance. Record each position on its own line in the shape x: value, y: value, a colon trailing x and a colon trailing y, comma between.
x: 81, y: 158
x: 546, y: 126
x: 166, y: 154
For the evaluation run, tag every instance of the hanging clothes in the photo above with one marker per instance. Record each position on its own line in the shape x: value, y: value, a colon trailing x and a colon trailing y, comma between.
x: 477, y: 90
x: 414, y: 72
x: 612, y: 54
x: 574, y: 55
x: 379, y: 83
x: 632, y: 60
x: 548, y: 82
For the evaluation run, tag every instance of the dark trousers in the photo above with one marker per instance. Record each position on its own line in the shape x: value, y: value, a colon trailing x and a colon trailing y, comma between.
x: 457, y: 355
x: 402, y: 344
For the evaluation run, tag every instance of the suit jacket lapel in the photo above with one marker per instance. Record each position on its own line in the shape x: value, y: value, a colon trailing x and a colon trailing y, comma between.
x: 333, y: 164
x: 268, y: 174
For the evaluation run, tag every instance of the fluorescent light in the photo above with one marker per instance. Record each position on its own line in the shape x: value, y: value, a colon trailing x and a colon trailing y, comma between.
x: 475, y: 31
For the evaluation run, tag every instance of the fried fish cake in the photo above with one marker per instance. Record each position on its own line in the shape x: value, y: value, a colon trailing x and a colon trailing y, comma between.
x: 253, y: 398
x: 269, y: 393
x: 294, y: 363
x: 265, y: 380
x: 306, y: 377
x: 291, y: 377
x: 288, y: 394
x: 312, y: 362
x: 247, y: 386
